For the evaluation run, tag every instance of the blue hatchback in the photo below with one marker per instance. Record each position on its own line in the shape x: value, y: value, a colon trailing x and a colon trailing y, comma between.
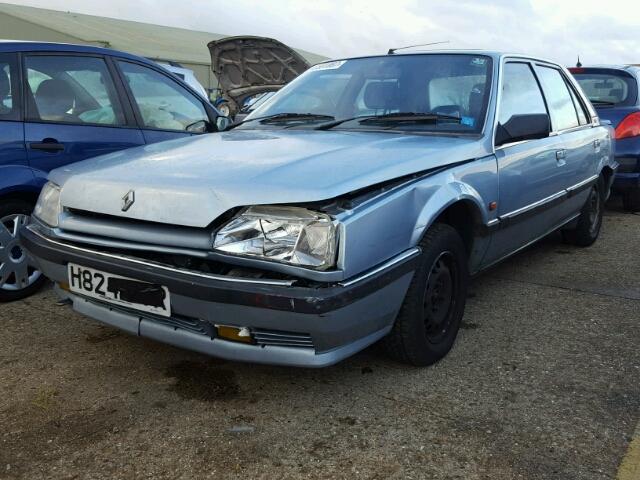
x: 64, y: 103
x: 613, y: 91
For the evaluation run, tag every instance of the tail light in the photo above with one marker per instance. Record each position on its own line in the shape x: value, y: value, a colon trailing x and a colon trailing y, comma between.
x: 629, y: 126
x: 576, y: 70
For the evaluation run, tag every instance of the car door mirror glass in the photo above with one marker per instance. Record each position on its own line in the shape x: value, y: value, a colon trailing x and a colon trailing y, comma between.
x: 523, y: 127
x: 222, y: 123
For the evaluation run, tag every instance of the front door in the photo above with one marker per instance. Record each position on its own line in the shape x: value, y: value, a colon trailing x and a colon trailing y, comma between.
x: 73, y: 111
x: 532, y: 174
x: 14, y: 169
x: 164, y: 108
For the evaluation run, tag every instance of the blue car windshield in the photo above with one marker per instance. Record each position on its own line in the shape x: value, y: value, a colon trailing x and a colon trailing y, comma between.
x: 417, y: 92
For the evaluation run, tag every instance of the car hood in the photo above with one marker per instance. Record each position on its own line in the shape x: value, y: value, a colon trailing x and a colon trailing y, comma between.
x: 248, y: 65
x: 192, y: 181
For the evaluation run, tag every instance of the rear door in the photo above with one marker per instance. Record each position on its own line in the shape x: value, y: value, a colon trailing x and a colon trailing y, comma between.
x: 13, y: 157
x: 163, y: 108
x: 578, y: 143
x: 74, y: 110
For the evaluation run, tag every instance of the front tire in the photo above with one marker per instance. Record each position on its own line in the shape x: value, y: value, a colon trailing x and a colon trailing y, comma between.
x: 590, y: 220
x: 18, y: 276
x: 429, y: 319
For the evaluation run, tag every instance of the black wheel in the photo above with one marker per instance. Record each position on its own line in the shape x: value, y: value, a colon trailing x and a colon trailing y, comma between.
x: 429, y: 319
x: 589, y: 222
x: 631, y: 200
x: 18, y: 277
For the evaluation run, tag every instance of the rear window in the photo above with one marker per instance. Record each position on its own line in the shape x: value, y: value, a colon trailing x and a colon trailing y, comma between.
x: 607, y: 87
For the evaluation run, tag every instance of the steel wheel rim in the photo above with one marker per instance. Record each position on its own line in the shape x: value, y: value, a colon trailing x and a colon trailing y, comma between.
x: 439, y: 300
x: 17, y: 272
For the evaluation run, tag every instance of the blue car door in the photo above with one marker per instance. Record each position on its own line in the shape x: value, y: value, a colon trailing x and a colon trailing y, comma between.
x: 578, y: 142
x: 74, y: 110
x: 164, y: 108
x: 14, y: 169
x: 532, y: 174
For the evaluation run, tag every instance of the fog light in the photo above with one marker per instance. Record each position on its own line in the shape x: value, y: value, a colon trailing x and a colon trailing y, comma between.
x: 235, y: 334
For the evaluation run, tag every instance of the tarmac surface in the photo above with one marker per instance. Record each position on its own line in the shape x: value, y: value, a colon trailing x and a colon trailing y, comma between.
x: 543, y: 383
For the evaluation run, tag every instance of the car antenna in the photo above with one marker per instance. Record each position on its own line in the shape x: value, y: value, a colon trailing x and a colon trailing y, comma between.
x: 393, y: 50
x: 579, y: 64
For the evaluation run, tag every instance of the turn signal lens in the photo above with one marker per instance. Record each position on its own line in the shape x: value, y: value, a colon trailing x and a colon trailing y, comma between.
x: 629, y: 126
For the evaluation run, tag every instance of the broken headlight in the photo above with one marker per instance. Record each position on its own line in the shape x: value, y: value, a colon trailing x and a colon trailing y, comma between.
x: 284, y: 234
x: 48, y: 206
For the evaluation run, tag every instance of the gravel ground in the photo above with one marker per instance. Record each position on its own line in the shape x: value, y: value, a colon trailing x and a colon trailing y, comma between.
x: 543, y: 383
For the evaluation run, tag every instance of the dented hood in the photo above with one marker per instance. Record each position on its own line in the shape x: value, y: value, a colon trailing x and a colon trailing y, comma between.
x: 249, y: 65
x: 192, y: 181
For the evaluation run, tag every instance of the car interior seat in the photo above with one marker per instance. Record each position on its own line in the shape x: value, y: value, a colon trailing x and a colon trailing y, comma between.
x: 55, y: 99
x: 5, y: 90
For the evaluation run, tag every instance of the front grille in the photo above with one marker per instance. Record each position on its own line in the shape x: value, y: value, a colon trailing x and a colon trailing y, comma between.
x: 280, y: 338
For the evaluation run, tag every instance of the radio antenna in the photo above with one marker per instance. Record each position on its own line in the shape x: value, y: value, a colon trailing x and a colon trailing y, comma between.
x: 393, y: 50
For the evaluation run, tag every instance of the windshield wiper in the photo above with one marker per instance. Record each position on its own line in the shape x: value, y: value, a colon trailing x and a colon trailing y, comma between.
x: 397, y: 117
x: 410, y: 117
x: 287, y: 117
x: 284, y: 117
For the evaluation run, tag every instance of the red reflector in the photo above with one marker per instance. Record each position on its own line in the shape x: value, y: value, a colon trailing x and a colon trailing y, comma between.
x: 629, y: 126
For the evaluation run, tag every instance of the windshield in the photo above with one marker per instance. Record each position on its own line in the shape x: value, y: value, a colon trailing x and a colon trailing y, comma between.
x: 606, y: 87
x: 451, y: 89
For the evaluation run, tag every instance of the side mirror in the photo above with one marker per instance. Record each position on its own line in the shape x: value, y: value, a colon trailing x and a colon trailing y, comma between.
x: 201, y: 126
x: 222, y: 123
x: 523, y: 127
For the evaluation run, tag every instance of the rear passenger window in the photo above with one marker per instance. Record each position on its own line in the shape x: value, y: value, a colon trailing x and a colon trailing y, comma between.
x: 72, y: 89
x: 8, y: 101
x: 561, y: 107
x: 520, y: 93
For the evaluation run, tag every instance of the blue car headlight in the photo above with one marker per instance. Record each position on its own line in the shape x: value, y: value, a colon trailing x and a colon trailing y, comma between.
x: 292, y: 235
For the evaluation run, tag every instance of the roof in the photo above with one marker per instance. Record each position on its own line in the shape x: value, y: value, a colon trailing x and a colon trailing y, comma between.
x: 144, y: 39
x: 28, y: 46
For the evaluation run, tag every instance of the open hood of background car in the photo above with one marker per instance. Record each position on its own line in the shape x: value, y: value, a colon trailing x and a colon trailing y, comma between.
x: 246, y: 66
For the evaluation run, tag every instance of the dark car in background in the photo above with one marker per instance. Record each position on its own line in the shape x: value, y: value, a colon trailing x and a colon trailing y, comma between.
x: 248, y: 67
x: 62, y: 103
x: 613, y: 91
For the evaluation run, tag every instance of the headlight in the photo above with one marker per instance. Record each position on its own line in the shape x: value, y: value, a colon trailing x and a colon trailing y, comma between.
x: 285, y: 234
x: 48, y: 207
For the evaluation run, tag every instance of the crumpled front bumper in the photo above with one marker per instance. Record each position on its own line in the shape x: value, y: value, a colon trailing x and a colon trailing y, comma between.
x: 297, y: 326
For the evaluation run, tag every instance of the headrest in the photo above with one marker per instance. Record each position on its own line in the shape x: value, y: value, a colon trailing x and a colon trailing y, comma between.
x: 381, y: 95
x: 54, y: 98
x: 5, y: 85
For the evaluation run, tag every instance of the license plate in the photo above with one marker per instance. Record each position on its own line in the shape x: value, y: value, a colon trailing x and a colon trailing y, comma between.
x: 143, y: 296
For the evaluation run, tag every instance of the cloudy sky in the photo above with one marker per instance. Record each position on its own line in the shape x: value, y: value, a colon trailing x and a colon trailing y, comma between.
x: 601, y: 32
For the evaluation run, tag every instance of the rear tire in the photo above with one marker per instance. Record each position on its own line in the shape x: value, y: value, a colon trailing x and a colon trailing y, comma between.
x: 631, y: 200
x: 429, y: 319
x: 18, y: 278
x: 589, y: 222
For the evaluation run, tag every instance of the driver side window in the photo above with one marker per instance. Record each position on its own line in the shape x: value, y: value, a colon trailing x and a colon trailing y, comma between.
x: 163, y: 103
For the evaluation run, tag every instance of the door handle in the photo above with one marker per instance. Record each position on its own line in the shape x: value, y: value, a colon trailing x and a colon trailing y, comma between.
x: 561, y: 156
x: 596, y: 145
x: 50, y: 145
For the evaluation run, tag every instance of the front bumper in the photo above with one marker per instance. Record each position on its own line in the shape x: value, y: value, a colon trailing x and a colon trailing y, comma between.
x: 304, y: 326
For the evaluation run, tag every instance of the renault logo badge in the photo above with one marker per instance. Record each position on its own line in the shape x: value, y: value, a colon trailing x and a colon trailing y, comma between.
x: 128, y: 200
